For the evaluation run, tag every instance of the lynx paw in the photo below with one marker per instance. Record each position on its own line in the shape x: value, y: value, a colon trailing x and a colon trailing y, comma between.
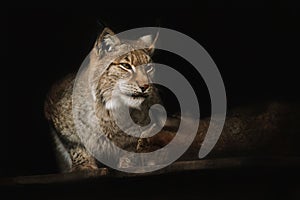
x: 84, y: 168
x: 141, y: 144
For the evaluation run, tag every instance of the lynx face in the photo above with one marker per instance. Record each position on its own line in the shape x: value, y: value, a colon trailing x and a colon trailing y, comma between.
x: 127, y: 80
x: 135, y: 71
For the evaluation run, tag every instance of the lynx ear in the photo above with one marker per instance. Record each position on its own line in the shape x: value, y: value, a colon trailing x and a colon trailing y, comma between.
x: 149, y: 42
x: 106, y: 41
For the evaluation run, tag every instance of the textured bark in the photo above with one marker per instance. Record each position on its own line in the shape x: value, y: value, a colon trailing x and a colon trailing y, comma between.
x: 256, y: 130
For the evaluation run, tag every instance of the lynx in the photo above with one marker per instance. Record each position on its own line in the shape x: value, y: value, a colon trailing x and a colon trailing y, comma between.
x: 131, y: 73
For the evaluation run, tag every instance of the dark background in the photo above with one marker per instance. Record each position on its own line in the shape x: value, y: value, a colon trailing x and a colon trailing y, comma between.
x: 255, y: 46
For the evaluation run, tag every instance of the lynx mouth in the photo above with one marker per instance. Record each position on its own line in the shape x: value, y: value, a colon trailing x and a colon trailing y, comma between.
x: 143, y: 95
x: 138, y: 95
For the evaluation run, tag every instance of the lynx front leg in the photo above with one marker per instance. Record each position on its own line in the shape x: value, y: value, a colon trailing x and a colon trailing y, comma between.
x: 143, y: 141
x: 81, y: 159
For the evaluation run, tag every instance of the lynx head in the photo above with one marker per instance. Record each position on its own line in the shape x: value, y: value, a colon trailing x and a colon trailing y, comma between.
x: 127, y: 79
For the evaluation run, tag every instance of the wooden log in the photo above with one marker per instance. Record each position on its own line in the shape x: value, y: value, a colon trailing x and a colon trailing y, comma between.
x: 177, y: 167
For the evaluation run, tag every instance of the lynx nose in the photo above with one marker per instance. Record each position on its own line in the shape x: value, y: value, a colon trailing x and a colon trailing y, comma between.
x: 144, y: 87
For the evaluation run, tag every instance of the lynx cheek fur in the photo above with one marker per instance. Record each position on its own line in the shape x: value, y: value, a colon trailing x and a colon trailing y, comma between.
x: 130, y: 74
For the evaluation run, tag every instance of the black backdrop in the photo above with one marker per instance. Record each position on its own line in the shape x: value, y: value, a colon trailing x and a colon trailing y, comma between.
x: 255, y: 46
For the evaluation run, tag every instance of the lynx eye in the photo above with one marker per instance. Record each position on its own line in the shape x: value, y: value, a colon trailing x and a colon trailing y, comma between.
x: 126, y: 66
x: 149, y: 67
